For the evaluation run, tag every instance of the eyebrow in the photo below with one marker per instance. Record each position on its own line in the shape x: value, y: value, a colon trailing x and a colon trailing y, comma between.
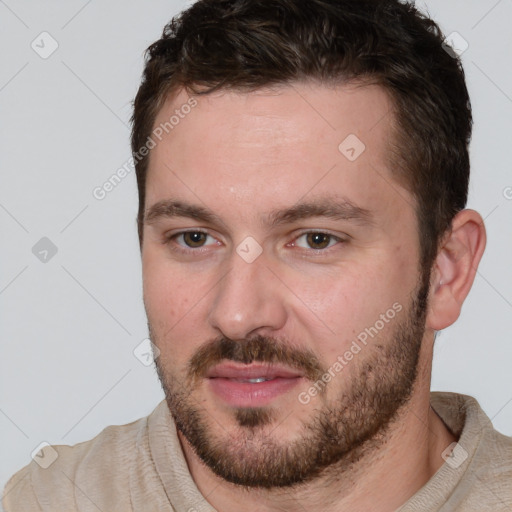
x: 320, y: 207
x: 169, y: 208
x: 323, y: 207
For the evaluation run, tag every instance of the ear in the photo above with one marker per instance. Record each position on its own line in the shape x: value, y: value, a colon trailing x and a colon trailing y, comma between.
x: 455, y: 268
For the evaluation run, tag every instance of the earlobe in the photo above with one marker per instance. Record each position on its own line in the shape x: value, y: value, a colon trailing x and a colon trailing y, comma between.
x: 455, y: 268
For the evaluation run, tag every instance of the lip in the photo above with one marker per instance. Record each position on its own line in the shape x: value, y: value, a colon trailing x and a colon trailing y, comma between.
x: 226, y: 380
x: 252, y: 371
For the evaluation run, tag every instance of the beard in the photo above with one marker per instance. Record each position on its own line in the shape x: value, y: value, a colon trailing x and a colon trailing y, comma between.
x: 342, y: 429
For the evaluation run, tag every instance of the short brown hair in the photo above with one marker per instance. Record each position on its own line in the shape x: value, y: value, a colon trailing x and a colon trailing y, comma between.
x: 247, y: 44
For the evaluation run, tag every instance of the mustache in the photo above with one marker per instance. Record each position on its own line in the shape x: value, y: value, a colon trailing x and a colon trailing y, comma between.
x: 260, y: 349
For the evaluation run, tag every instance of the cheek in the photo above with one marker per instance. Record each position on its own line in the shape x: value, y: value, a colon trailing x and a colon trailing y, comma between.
x: 165, y: 299
x: 343, y: 297
x: 350, y: 300
x: 174, y: 303
x: 167, y: 293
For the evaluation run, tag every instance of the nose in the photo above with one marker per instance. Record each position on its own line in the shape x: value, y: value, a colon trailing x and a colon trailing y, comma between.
x: 248, y: 300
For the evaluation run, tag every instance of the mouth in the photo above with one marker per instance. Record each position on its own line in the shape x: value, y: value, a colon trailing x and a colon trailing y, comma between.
x: 253, y: 385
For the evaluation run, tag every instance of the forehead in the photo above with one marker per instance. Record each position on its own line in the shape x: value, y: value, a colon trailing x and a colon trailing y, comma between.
x: 271, y: 147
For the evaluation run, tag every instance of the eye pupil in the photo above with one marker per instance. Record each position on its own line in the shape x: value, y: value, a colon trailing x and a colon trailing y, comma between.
x: 194, y: 238
x: 318, y: 240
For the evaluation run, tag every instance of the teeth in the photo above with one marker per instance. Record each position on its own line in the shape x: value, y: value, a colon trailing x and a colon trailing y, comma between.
x: 255, y: 381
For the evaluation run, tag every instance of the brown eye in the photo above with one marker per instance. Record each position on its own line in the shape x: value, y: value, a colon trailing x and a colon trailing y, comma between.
x: 318, y: 240
x: 194, y: 238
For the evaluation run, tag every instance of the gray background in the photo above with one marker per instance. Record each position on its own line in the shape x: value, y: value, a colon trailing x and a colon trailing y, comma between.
x: 69, y: 325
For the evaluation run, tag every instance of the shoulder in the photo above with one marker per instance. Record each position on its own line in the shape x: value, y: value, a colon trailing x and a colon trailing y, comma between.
x: 485, y: 455
x: 61, y: 478
x: 492, y: 469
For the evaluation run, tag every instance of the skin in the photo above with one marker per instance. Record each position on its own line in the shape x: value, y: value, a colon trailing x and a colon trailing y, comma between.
x: 243, y: 156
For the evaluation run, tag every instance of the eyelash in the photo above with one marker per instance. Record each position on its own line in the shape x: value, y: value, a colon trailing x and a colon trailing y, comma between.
x: 170, y: 240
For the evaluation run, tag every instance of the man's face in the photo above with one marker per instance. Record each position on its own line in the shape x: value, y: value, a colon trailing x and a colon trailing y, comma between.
x: 281, y: 278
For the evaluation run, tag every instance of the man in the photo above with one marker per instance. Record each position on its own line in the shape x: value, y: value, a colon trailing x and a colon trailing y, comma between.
x: 302, y: 170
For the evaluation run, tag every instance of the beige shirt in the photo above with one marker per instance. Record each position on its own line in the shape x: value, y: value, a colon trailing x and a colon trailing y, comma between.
x: 141, y: 467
